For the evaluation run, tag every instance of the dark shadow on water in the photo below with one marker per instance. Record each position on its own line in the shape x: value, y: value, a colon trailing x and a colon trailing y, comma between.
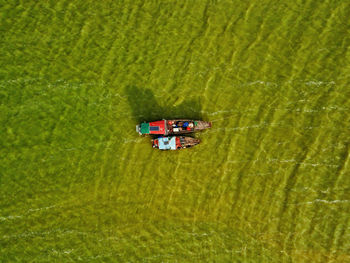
x: 145, y: 106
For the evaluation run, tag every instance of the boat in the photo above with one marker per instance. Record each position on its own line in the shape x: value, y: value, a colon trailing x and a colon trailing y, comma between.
x: 174, y: 142
x: 172, y: 127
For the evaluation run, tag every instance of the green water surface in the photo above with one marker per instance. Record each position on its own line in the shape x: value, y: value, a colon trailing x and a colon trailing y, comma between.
x: 270, y: 181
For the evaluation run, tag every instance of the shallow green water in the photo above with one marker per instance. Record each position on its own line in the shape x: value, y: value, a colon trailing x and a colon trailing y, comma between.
x: 269, y: 182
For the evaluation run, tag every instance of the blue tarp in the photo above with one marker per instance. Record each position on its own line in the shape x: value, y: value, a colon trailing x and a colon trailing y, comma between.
x: 167, y: 143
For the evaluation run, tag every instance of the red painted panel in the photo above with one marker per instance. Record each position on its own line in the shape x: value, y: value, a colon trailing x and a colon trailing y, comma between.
x: 160, y: 124
x: 178, y: 143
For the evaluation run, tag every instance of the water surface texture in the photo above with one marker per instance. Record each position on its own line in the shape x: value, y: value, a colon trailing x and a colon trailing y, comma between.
x: 270, y: 182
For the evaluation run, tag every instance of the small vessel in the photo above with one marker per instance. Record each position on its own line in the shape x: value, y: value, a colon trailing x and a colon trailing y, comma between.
x: 172, y: 127
x: 174, y: 142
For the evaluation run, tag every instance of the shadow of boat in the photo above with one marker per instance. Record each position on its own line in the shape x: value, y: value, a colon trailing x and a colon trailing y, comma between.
x: 146, y: 107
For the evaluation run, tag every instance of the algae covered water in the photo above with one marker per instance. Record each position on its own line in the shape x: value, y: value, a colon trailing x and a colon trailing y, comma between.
x: 270, y: 180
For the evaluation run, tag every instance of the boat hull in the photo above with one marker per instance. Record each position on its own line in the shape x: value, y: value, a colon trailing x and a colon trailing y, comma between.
x: 172, y: 127
x: 174, y: 142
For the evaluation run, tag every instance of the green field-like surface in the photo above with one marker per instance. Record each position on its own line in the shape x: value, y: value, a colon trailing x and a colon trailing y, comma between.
x: 270, y: 181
